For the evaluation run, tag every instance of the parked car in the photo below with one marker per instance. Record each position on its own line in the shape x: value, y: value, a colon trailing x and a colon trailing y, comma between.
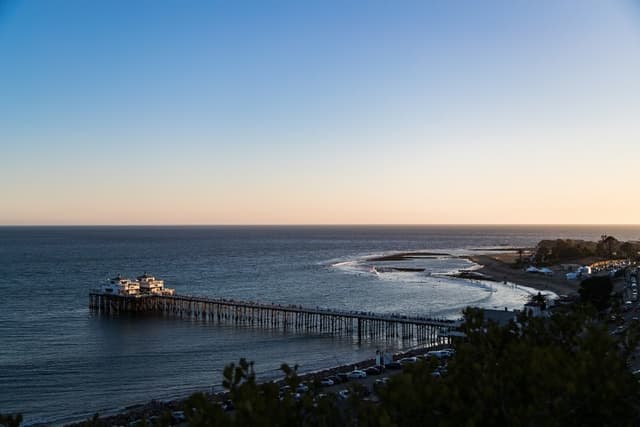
x: 335, y: 379
x: 373, y: 370
x: 357, y: 374
x: 440, y: 354
x: 393, y: 365
x: 344, y: 394
x: 326, y: 382
x: 449, y: 351
x: 302, y: 388
x: 406, y: 360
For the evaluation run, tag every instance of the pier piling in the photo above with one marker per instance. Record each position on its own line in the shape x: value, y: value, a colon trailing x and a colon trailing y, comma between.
x: 290, y: 318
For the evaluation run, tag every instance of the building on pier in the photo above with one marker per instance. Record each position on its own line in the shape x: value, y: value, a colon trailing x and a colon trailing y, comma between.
x: 144, y: 285
x: 121, y: 286
x: 151, y: 285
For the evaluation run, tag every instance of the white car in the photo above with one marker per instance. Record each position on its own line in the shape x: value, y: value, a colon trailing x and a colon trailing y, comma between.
x: 449, y: 351
x: 343, y: 394
x: 440, y: 354
x: 406, y: 360
x: 357, y: 374
x: 327, y: 382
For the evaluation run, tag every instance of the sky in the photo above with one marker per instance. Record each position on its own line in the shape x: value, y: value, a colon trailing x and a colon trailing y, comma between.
x: 320, y: 112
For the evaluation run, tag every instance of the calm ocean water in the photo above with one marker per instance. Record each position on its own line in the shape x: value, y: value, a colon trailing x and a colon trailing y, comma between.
x: 58, y: 362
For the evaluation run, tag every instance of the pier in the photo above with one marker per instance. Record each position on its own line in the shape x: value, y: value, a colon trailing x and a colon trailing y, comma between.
x: 291, y: 318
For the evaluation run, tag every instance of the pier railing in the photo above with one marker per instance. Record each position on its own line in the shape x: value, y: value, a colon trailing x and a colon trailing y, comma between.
x: 285, y: 317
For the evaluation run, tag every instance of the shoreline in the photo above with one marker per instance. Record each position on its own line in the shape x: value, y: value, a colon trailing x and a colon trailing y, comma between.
x: 489, y: 268
x: 499, y: 271
x: 158, y: 407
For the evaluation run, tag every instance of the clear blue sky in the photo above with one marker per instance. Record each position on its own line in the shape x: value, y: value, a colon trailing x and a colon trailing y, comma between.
x: 128, y: 112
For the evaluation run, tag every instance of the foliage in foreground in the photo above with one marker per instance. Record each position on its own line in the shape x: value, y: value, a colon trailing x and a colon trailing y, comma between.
x: 10, y: 420
x: 596, y: 291
x: 263, y: 404
x: 565, y: 371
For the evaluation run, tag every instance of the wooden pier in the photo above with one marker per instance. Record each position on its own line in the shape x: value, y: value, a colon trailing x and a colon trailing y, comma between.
x: 292, y: 318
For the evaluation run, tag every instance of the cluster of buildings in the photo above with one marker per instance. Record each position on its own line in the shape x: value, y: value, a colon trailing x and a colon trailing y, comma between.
x: 612, y: 267
x: 143, y: 285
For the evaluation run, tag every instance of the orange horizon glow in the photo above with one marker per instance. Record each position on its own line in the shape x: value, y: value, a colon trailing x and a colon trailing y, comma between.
x: 512, y: 113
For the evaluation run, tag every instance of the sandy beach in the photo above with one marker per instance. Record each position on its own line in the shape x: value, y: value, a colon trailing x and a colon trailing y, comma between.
x: 498, y: 267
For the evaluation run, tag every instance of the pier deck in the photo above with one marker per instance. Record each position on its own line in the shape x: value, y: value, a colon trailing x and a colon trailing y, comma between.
x: 284, y: 317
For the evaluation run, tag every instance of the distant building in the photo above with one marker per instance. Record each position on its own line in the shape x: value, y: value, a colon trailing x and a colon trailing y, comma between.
x: 538, y: 306
x: 153, y: 286
x: 144, y: 285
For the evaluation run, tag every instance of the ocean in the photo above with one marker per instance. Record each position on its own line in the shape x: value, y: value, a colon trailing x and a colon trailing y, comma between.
x: 59, y: 362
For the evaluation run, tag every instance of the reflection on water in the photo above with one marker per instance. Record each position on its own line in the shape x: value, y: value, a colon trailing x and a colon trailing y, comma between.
x: 57, y: 361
